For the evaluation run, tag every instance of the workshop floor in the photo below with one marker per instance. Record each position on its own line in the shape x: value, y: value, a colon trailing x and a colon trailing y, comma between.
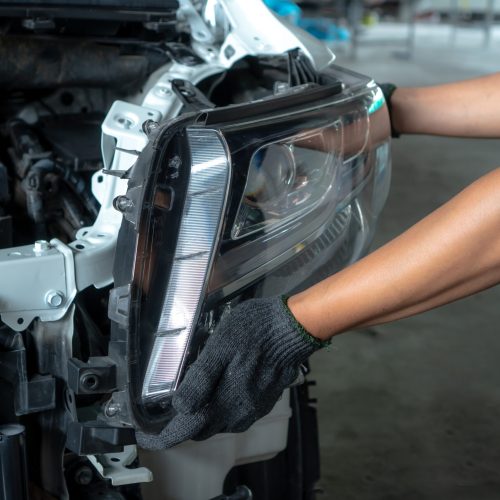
x: 411, y: 410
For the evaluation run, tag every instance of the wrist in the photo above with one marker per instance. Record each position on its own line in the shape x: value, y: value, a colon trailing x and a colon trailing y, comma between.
x: 284, y: 340
x: 301, y: 309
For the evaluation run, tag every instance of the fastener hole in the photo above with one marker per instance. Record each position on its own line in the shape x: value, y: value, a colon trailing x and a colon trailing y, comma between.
x: 20, y: 321
x: 79, y: 246
x: 114, y: 459
x: 85, y: 233
x: 100, y: 179
x: 150, y: 114
x: 90, y: 382
x: 101, y: 236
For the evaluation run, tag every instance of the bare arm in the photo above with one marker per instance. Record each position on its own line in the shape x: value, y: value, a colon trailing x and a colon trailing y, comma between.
x: 464, y: 109
x: 450, y: 254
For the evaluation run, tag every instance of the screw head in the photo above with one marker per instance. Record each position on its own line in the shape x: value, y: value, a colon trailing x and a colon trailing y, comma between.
x: 149, y: 125
x: 112, y: 409
x: 123, y: 204
x: 84, y: 475
x: 41, y: 246
x: 54, y: 298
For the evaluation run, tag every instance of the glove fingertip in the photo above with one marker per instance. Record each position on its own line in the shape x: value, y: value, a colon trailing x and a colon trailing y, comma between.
x: 181, y: 428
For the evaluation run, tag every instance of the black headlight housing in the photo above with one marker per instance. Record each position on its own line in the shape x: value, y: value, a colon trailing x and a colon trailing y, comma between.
x: 247, y: 200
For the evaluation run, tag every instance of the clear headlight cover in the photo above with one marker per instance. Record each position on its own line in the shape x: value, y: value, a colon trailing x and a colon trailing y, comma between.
x: 291, y: 176
x: 288, y: 178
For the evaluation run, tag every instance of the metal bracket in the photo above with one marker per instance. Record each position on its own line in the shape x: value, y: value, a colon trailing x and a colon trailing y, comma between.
x: 36, y: 281
x: 199, y: 30
x: 123, y: 138
x: 254, y: 30
x: 114, y: 466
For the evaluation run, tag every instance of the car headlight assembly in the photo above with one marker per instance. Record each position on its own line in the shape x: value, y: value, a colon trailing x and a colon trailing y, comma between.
x: 216, y: 202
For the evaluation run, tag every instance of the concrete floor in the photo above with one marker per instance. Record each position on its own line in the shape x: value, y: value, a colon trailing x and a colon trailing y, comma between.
x: 411, y: 410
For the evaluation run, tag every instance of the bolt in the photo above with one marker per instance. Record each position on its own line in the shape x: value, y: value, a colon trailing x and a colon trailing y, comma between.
x: 41, y: 246
x: 149, y: 125
x: 112, y: 409
x: 175, y: 162
x: 53, y: 298
x: 123, y: 204
x: 84, y: 475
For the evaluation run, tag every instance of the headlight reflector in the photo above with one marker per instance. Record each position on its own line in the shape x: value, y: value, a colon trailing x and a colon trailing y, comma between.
x: 287, y: 178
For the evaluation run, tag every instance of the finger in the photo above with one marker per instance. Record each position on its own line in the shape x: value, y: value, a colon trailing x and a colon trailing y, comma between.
x: 229, y: 405
x: 181, y: 428
x: 198, y: 386
x: 213, y: 427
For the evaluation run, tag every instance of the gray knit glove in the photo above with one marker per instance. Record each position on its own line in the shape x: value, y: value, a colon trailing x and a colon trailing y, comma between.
x: 252, y: 356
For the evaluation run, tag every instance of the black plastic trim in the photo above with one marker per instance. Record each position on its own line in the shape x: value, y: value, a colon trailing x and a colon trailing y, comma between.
x: 138, y: 306
x: 295, y: 97
x: 96, y: 438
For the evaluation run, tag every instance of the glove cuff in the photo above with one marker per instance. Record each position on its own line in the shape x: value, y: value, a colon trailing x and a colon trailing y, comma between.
x: 291, y: 344
x: 388, y: 89
x: 308, y: 337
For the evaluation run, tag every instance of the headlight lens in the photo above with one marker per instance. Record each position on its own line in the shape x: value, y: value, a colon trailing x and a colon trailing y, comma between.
x: 298, y: 173
x: 287, y: 178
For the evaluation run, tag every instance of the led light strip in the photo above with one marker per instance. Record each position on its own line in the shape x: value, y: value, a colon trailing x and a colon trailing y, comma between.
x: 200, y: 227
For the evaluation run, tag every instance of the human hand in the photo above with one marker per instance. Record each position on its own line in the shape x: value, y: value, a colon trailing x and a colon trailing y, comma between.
x: 253, y: 355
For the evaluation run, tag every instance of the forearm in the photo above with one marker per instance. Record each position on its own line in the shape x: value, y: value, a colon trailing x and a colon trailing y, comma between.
x: 450, y: 254
x: 464, y: 109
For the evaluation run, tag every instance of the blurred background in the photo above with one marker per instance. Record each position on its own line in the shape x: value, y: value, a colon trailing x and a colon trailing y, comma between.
x: 411, y: 410
x: 349, y: 24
